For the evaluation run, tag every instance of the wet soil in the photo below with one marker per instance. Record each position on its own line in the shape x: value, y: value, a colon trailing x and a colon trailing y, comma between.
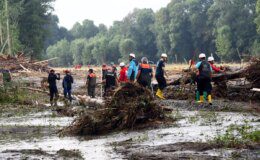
x: 31, y: 132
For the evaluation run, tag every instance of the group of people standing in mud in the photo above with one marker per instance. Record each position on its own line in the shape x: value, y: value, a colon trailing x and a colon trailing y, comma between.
x: 142, y: 73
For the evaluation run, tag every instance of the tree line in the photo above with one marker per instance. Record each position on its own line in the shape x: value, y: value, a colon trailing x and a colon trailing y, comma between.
x: 227, y: 29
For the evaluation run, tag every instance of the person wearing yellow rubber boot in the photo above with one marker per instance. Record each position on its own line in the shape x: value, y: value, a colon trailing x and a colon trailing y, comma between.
x: 159, y: 75
x: 204, y: 79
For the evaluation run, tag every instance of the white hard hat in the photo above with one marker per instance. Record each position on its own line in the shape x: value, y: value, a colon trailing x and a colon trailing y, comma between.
x: 132, y: 55
x: 164, y: 55
x: 122, y: 64
x: 202, y: 55
x: 211, y: 59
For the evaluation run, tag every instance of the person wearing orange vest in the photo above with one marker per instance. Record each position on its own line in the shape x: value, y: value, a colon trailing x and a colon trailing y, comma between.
x: 91, y: 83
x: 145, y: 73
x: 123, y: 73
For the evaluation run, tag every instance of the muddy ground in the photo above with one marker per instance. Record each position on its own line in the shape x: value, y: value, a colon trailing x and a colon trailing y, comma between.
x: 30, y: 131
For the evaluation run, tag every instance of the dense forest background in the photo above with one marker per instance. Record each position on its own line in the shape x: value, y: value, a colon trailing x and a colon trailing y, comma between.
x: 227, y: 29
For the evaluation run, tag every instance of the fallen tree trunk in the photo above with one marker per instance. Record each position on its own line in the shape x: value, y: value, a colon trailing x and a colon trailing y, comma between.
x: 190, y: 78
x: 82, y: 100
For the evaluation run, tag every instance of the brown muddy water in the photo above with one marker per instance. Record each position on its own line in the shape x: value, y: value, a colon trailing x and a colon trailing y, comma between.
x: 34, y: 136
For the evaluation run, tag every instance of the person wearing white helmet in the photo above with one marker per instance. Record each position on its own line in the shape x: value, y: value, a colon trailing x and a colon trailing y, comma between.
x: 214, y: 68
x: 123, y: 73
x: 159, y: 75
x: 145, y: 73
x: 133, y: 68
x: 204, y: 79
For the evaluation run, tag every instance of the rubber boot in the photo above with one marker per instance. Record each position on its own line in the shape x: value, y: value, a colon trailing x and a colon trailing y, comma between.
x: 159, y: 93
x: 205, y: 95
x: 210, y: 99
x: 201, y: 99
x: 197, y: 97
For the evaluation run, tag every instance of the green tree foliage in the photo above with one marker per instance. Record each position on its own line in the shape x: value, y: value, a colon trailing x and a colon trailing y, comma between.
x: 55, y: 33
x: 32, y: 25
x: 238, y: 16
x: 61, y: 50
x: 127, y: 46
x: 257, y: 20
x: 86, y: 30
x: 225, y: 28
x: 14, y: 9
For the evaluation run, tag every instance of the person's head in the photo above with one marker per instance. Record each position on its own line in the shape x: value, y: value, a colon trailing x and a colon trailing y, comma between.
x: 164, y: 57
x: 90, y: 70
x: 66, y: 71
x: 131, y: 56
x: 104, y: 66
x: 109, y: 69
x: 202, y: 56
x: 211, y: 60
x: 122, y: 64
x: 52, y: 71
x: 144, y: 60
x: 114, y: 68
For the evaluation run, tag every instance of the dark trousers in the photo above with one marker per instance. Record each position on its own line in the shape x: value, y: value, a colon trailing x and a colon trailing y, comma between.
x: 67, y: 93
x: 161, y: 82
x: 204, y: 85
x: 145, y: 83
x: 91, y: 91
x: 53, y: 92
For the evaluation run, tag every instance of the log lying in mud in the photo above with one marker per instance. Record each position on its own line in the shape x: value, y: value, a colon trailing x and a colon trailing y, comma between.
x: 189, y: 78
x: 21, y: 63
x: 82, y: 100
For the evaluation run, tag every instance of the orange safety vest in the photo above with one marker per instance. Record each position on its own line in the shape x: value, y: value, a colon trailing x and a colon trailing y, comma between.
x: 92, y: 75
x: 145, y: 66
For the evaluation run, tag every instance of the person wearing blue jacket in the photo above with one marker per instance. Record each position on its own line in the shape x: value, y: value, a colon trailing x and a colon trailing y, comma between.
x: 133, y: 68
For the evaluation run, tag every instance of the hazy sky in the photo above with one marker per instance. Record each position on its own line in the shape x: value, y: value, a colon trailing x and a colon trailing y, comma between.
x: 101, y: 11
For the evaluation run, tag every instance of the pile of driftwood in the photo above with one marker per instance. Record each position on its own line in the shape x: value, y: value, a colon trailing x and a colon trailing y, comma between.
x: 130, y: 106
x: 20, y: 62
x: 238, y: 84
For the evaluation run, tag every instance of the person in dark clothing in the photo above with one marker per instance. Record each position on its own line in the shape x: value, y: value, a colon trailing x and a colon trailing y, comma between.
x: 110, y: 80
x: 104, y: 71
x: 53, y: 87
x: 159, y: 75
x: 91, y: 83
x: 66, y: 84
x: 145, y: 73
x: 204, y: 78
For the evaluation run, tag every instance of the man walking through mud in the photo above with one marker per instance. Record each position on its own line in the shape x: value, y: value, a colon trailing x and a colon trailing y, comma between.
x: 53, y: 87
x: 204, y: 78
x: 145, y: 73
x: 67, y: 85
x: 159, y: 75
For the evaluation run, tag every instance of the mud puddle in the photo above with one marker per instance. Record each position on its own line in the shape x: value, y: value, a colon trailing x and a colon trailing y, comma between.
x: 35, y: 136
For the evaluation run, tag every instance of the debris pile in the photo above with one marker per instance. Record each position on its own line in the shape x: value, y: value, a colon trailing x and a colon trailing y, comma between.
x: 130, y: 106
x: 21, y: 63
x: 232, y: 84
x: 253, y: 72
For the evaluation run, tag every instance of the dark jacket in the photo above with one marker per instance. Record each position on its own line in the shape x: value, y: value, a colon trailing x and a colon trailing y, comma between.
x: 52, y: 79
x: 67, y: 81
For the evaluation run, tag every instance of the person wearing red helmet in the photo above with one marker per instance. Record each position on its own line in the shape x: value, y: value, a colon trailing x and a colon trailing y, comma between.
x: 67, y: 85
